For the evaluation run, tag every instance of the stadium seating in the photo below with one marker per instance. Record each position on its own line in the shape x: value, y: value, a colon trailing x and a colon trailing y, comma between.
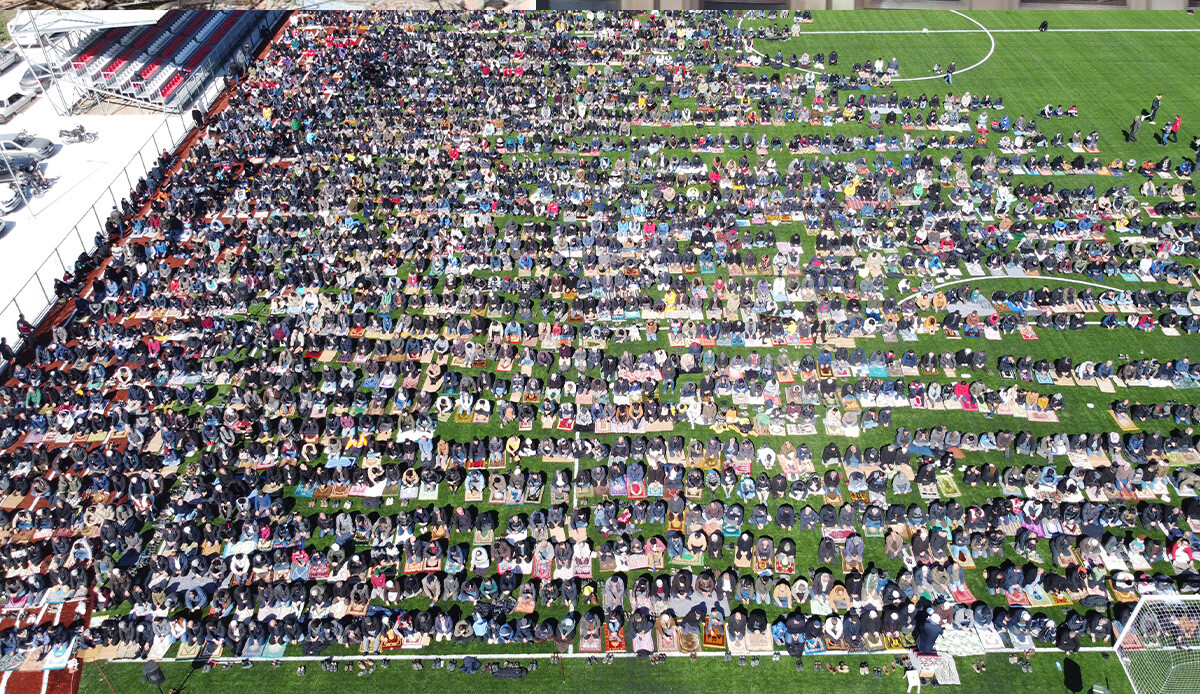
x: 96, y: 48
x: 168, y: 56
x: 172, y: 84
x: 155, y: 62
x: 110, y: 72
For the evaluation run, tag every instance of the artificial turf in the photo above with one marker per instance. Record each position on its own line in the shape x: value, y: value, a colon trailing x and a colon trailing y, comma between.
x: 1110, y: 77
x: 624, y: 675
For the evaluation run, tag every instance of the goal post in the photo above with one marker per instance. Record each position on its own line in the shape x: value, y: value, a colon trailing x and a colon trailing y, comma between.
x: 1159, y: 645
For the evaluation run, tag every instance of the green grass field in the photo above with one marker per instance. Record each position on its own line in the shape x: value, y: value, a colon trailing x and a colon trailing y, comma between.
x: 1110, y: 76
x: 626, y: 675
x: 5, y: 17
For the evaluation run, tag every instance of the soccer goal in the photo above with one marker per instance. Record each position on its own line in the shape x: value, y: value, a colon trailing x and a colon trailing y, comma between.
x: 1159, y: 647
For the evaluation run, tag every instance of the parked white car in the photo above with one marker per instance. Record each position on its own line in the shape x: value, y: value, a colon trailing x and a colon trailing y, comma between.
x: 14, y: 104
x: 7, y: 58
x: 23, y: 143
x: 9, y: 199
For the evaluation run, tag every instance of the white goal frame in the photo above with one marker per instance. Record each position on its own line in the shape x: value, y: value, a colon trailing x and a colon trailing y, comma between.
x: 1176, y: 670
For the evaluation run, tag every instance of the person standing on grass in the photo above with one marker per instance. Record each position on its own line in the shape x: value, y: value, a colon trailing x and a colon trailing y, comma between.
x: 1175, y: 128
x: 1154, y: 108
x: 1133, y: 129
x: 949, y: 73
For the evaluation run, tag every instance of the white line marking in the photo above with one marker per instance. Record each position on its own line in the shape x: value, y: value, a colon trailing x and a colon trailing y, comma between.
x: 981, y: 29
x: 45, y: 680
x: 574, y: 487
x: 951, y: 283
x: 544, y: 656
x: 970, y: 67
x: 4, y: 680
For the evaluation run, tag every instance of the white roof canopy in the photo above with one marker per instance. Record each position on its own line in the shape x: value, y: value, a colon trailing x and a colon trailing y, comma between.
x: 29, y: 23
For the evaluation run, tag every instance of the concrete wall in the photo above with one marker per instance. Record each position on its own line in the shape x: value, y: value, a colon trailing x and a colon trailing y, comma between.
x: 913, y: 5
x: 1157, y: 5
x: 995, y: 4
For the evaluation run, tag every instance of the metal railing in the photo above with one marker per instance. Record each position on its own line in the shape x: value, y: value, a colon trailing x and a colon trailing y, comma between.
x: 36, y: 297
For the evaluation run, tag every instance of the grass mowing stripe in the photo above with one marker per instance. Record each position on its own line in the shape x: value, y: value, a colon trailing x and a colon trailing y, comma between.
x: 624, y: 675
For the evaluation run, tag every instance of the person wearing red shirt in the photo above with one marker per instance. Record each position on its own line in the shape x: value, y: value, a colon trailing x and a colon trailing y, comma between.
x: 1170, y: 131
x: 23, y: 326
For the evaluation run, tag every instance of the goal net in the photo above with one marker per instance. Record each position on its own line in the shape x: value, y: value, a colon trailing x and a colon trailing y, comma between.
x: 1159, y: 647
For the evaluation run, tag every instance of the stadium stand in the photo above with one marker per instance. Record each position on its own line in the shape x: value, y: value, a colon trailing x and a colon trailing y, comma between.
x: 161, y: 63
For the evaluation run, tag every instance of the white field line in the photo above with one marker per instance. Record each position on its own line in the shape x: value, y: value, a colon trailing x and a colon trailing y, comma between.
x: 574, y: 489
x: 991, y: 50
x: 4, y: 680
x: 965, y: 280
x: 574, y: 504
x: 981, y: 29
x: 544, y: 656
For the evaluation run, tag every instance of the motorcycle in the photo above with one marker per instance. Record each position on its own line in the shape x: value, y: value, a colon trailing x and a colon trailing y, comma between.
x: 34, y: 184
x: 77, y: 134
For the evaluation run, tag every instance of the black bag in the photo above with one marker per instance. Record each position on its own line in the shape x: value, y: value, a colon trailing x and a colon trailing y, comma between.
x: 509, y: 673
x: 470, y: 665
